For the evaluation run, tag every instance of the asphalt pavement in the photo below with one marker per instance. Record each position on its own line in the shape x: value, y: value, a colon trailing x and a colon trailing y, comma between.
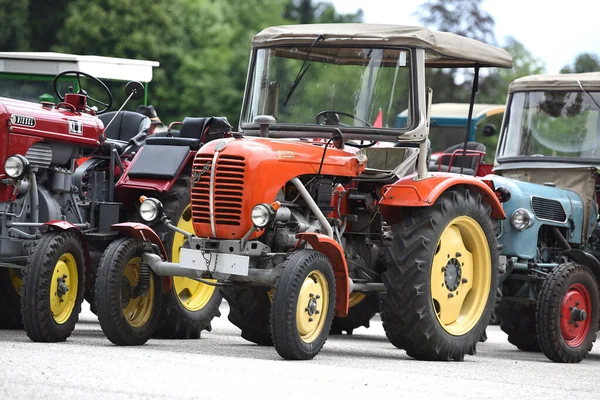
x: 222, y: 365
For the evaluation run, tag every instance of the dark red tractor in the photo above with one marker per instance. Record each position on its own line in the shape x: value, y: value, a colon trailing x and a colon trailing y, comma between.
x: 68, y: 171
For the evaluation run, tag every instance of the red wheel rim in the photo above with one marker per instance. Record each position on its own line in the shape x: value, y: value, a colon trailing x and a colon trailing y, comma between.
x: 575, y: 332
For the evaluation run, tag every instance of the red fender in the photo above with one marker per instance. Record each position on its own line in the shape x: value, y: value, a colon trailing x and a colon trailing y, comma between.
x: 408, y: 192
x: 137, y: 230
x: 64, y: 226
x: 335, y: 253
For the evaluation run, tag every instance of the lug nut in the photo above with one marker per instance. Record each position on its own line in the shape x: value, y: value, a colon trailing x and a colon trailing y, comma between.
x: 458, y: 254
x: 317, y: 312
x: 464, y: 280
x: 310, y: 320
x: 311, y: 295
x: 443, y: 269
x: 317, y: 297
x: 450, y: 295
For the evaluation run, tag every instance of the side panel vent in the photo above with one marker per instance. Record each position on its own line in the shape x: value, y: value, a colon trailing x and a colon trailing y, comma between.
x: 548, y: 209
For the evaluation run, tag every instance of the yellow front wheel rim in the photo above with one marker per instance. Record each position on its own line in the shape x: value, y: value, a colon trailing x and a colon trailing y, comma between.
x: 192, y: 294
x: 137, y: 311
x: 311, y: 308
x: 63, y: 288
x: 461, y: 275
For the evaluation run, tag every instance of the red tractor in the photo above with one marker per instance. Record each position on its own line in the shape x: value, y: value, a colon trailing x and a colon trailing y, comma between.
x: 288, y: 228
x: 68, y: 172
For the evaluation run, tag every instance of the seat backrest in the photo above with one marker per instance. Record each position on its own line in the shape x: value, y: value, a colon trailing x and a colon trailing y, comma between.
x: 126, y: 125
x: 194, y: 128
x: 384, y: 158
x: 471, y: 162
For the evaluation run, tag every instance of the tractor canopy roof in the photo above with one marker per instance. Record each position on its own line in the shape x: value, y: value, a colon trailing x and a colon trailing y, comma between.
x: 50, y: 64
x: 565, y: 82
x: 461, y: 110
x: 442, y: 49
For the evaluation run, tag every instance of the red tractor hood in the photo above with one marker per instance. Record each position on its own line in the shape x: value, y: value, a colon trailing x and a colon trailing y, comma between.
x: 249, y: 171
x: 50, y: 124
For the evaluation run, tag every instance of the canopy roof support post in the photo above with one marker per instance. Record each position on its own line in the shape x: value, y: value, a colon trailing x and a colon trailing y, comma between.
x: 474, y: 90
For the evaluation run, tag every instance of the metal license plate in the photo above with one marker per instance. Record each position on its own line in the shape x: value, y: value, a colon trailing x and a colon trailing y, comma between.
x: 232, y: 264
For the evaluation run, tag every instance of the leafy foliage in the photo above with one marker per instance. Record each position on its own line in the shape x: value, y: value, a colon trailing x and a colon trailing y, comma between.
x: 584, y: 62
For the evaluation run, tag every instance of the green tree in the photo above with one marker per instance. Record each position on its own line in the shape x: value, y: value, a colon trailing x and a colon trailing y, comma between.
x: 202, y: 47
x: 15, y: 29
x: 45, y: 19
x: 494, y: 87
x: 463, y: 17
x: 310, y: 12
x: 584, y: 62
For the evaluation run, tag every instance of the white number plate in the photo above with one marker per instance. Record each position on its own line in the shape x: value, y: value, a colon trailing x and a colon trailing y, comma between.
x: 219, y: 262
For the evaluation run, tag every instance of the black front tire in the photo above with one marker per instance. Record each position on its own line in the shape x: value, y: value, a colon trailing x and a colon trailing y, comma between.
x: 118, y: 272
x: 560, y: 287
x: 411, y: 314
x: 307, y: 275
x: 41, y: 325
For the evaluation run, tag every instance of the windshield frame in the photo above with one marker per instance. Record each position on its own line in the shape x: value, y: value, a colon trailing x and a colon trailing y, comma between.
x: 535, y: 159
x: 324, y: 131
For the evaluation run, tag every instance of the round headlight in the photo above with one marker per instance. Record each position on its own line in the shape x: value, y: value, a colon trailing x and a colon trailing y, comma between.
x: 261, y: 215
x: 150, y: 209
x: 15, y: 166
x: 521, y: 219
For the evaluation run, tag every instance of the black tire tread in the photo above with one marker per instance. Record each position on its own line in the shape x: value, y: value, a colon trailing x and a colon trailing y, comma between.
x: 173, y: 323
x: 250, y: 310
x: 108, y: 295
x: 548, y: 330
x: 518, y: 322
x: 283, y: 310
x: 10, y: 303
x: 407, y: 321
x: 359, y: 315
x: 35, y: 303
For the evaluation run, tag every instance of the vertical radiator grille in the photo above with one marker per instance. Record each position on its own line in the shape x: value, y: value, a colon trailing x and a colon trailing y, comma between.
x: 230, y: 173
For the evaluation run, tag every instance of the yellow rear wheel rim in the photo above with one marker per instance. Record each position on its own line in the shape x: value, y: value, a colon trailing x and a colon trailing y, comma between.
x: 355, y: 298
x: 461, y: 276
x: 16, y: 280
x: 311, y: 308
x: 192, y: 294
x: 137, y: 311
x: 63, y: 288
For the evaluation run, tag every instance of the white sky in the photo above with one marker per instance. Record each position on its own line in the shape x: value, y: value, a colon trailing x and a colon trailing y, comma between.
x: 554, y: 31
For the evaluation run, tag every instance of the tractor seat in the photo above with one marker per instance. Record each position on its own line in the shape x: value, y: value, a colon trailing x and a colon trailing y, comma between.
x: 194, y: 132
x: 471, y: 161
x: 125, y: 127
x: 389, y: 163
x: 174, y: 151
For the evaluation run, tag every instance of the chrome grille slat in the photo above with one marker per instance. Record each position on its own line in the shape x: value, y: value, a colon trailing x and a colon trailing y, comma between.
x: 548, y: 209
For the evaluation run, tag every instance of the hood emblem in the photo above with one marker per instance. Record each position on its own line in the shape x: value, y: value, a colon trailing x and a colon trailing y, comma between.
x: 220, y: 145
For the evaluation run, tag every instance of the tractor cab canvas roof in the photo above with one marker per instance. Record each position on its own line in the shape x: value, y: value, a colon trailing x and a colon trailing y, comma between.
x: 566, y: 82
x: 442, y: 49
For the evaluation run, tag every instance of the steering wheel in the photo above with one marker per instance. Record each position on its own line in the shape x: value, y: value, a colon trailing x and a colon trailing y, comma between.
x: 83, y: 92
x: 331, y: 117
